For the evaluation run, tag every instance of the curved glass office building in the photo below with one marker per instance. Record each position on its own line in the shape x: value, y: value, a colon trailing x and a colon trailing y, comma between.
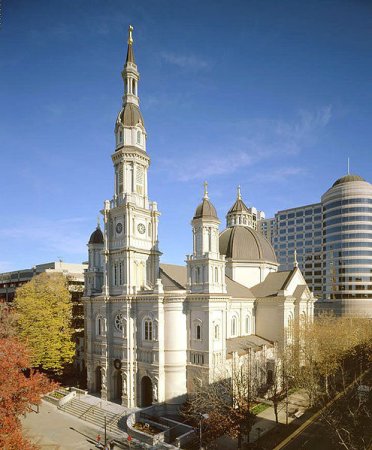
x: 333, y: 242
x: 347, y: 246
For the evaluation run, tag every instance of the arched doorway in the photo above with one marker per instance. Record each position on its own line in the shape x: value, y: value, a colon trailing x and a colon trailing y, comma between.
x: 146, y: 391
x: 98, y: 382
x: 118, y: 386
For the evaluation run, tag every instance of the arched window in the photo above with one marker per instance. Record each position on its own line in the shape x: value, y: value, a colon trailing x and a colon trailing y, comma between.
x: 234, y: 326
x: 148, y: 329
x: 138, y: 137
x: 120, y: 323
x: 198, y: 332
x: 197, y: 270
x: 216, y: 274
x: 99, y: 326
x: 216, y: 331
x: 120, y: 136
x: 248, y: 324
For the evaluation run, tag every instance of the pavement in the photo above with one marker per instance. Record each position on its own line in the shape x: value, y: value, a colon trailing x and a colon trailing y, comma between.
x: 53, y: 429
x: 297, y: 402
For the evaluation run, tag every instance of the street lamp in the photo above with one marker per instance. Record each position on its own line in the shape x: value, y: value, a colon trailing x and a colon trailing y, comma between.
x: 202, y: 416
x: 105, y: 430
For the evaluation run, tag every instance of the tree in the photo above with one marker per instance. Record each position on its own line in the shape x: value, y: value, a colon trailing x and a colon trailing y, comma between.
x: 228, y: 402
x: 17, y: 391
x: 8, y: 321
x: 44, y: 319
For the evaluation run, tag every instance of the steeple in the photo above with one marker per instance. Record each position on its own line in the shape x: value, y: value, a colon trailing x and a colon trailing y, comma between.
x: 130, y: 73
x: 206, y: 267
x: 131, y: 136
x: 130, y: 53
x: 239, y: 214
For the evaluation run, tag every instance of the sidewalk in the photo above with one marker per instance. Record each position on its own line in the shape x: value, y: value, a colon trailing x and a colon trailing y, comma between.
x: 297, y: 402
x: 54, y: 429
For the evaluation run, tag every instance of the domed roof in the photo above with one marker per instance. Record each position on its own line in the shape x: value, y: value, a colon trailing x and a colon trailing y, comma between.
x: 130, y: 115
x: 205, y: 210
x: 347, y: 179
x: 96, y: 237
x: 238, y: 206
x: 246, y: 244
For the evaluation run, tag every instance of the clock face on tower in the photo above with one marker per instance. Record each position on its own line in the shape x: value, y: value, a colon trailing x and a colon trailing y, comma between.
x: 119, y: 228
x: 141, y: 228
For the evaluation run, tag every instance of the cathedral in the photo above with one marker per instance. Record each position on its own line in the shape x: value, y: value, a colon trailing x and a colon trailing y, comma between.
x: 153, y: 331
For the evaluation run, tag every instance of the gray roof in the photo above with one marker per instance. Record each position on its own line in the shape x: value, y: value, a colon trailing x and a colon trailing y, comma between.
x: 274, y: 282
x: 174, y: 277
x: 205, y: 210
x: 246, y: 244
x: 238, y: 206
x: 347, y: 179
x: 96, y: 237
x: 130, y: 115
x: 243, y: 343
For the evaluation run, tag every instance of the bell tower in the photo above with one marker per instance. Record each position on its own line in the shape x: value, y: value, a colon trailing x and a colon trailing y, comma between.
x: 131, y: 220
x: 206, y: 267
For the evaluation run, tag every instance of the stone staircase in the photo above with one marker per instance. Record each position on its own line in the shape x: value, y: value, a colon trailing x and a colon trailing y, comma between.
x: 115, y: 423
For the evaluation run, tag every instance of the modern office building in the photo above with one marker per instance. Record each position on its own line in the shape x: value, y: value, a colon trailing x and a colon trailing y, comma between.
x: 333, y: 243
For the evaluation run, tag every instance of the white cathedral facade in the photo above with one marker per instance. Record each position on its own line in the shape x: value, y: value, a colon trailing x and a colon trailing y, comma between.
x: 154, y: 331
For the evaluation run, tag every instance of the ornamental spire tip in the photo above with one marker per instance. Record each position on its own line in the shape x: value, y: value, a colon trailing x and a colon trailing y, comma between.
x: 205, y: 190
x: 130, y: 36
x: 239, y: 193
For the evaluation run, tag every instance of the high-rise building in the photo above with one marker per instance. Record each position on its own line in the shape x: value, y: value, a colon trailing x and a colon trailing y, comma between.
x: 333, y: 243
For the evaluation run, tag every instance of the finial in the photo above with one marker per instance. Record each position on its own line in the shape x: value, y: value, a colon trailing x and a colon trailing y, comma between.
x: 348, y: 166
x: 130, y: 37
x: 239, y: 194
x: 295, y: 262
x: 206, y: 190
x: 98, y: 222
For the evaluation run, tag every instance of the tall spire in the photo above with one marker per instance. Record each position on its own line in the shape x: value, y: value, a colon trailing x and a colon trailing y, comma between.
x: 130, y: 53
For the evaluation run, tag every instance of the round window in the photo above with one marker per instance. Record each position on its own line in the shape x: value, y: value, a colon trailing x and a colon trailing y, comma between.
x: 119, y: 321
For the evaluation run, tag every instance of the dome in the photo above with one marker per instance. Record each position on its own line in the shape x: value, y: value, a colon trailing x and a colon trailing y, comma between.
x: 130, y: 115
x: 206, y: 210
x: 96, y: 237
x: 347, y: 179
x: 246, y: 244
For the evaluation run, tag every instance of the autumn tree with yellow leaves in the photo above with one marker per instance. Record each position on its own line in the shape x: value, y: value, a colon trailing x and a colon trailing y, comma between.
x: 44, y: 310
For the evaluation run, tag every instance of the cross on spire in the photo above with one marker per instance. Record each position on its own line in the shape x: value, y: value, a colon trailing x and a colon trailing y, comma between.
x: 205, y: 190
x: 130, y: 37
x: 295, y: 262
x: 239, y: 194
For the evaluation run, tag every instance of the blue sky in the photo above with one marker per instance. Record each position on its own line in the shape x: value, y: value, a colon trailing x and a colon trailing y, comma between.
x: 270, y: 95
